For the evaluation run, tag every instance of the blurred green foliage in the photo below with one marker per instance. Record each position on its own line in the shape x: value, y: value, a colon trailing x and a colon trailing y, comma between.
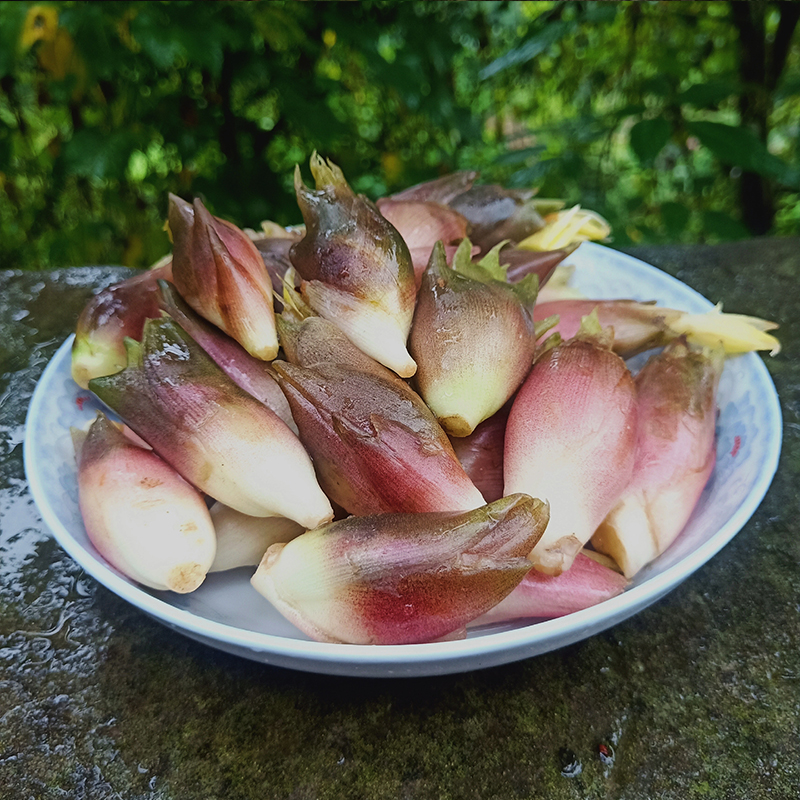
x: 676, y: 121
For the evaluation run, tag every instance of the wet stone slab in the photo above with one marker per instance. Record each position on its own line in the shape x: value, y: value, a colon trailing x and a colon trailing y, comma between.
x: 696, y: 697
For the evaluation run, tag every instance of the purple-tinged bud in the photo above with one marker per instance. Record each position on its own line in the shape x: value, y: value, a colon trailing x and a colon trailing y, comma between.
x: 570, y: 440
x: 355, y: 266
x: 142, y: 517
x: 222, y: 440
x: 675, y: 455
x: 111, y: 315
x: 401, y: 578
x: 221, y: 275
x: 375, y: 444
x: 246, y: 371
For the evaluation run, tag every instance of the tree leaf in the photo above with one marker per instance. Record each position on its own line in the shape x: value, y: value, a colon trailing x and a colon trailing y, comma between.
x: 788, y: 87
x: 513, y: 157
x: 531, y: 48
x: 675, y: 217
x: 648, y: 137
x: 600, y: 12
x: 92, y: 153
x: 152, y: 31
x: 740, y: 147
x: 659, y: 85
x: 724, y: 226
x: 708, y: 94
x: 530, y: 176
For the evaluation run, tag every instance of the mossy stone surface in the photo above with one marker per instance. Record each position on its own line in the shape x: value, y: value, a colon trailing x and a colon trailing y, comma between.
x: 698, y: 696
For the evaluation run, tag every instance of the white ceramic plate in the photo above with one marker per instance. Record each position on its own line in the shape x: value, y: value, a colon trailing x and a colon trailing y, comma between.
x: 227, y: 613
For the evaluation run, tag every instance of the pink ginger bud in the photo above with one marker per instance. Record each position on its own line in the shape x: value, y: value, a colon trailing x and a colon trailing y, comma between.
x: 473, y: 342
x: 222, y: 440
x: 675, y: 455
x: 642, y: 326
x: 570, y: 440
x: 142, y: 517
x: 221, y: 275
x: 422, y: 224
x: 376, y: 446
x: 401, y: 578
x: 356, y: 268
x: 538, y: 596
x: 110, y: 316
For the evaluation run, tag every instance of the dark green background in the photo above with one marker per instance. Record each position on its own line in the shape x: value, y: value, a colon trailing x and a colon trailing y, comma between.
x: 677, y: 121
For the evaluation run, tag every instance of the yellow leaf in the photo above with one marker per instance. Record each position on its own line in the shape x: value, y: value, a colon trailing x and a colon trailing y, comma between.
x: 565, y: 228
x: 736, y: 333
x: 392, y: 167
x: 57, y: 56
x: 56, y: 51
x: 41, y: 24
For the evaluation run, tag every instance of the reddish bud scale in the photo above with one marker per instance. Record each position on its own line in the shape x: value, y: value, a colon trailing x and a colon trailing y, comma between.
x: 481, y: 454
x: 416, y: 611
x: 376, y: 447
x: 422, y: 224
x: 111, y: 315
x: 520, y: 263
x: 675, y: 455
x: 538, y: 596
x: 246, y: 371
x: 221, y: 275
x: 570, y: 440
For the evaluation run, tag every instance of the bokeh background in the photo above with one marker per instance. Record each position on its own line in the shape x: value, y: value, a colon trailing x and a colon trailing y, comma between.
x: 679, y: 122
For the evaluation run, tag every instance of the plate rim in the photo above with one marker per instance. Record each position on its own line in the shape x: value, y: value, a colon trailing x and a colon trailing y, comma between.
x: 440, y: 657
